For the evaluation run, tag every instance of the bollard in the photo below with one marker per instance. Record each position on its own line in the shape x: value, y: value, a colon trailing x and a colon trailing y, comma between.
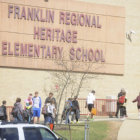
x: 86, y: 130
x: 70, y: 132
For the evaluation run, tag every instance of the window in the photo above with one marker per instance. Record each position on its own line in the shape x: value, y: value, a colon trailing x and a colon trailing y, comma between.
x: 31, y: 133
x: 46, y: 134
x: 9, y: 134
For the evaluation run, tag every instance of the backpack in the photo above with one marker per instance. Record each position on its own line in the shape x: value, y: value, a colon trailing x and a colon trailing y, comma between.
x: 74, y: 105
x: 15, y: 110
x: 27, y: 112
x: 68, y: 105
x: 1, y: 111
x: 44, y: 110
x: 121, y: 99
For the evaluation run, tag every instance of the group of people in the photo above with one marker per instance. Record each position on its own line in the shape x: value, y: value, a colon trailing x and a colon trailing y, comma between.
x: 71, y: 108
x: 121, y: 104
x: 33, y: 106
x: 31, y: 109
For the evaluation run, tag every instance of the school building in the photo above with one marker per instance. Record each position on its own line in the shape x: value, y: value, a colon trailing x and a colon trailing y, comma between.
x: 69, y: 47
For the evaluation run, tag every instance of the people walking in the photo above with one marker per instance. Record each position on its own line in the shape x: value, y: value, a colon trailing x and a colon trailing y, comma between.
x: 138, y: 104
x: 3, y: 112
x: 118, y: 103
x: 17, y: 111
x: 75, y: 110
x: 90, y: 102
x: 36, y: 107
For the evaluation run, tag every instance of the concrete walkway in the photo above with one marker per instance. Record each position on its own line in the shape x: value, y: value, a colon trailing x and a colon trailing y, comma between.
x: 130, y: 130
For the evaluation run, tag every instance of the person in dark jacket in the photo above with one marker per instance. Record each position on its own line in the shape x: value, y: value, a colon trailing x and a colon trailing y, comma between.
x: 4, y: 117
x: 138, y: 104
x: 118, y: 104
x: 18, y: 109
x: 51, y: 99
x: 75, y: 109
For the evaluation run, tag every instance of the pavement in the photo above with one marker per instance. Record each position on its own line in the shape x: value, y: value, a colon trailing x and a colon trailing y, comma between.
x: 130, y: 129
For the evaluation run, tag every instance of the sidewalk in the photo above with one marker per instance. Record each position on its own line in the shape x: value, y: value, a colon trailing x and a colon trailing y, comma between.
x: 130, y: 130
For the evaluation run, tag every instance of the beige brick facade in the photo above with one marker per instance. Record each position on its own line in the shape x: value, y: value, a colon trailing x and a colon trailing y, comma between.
x: 20, y: 82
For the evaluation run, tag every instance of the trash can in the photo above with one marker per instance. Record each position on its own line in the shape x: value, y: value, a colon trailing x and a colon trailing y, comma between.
x: 111, y: 105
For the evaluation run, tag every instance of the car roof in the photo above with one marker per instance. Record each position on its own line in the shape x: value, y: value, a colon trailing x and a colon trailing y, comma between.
x: 21, y: 125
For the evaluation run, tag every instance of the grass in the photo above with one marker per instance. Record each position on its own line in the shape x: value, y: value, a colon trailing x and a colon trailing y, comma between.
x: 97, y: 131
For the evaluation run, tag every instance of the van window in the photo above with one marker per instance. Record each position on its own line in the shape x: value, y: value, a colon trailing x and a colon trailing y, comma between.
x: 31, y: 133
x: 46, y: 134
x: 9, y: 134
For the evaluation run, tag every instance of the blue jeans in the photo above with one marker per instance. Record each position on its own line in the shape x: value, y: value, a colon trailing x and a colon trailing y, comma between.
x: 48, y: 119
x: 67, y: 117
x: 30, y: 118
x: 18, y: 118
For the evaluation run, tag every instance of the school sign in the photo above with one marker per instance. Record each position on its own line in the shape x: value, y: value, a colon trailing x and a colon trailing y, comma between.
x: 62, y: 35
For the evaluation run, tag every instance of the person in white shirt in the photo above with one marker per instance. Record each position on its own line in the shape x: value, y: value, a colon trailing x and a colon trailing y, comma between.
x: 90, y: 101
x: 50, y: 112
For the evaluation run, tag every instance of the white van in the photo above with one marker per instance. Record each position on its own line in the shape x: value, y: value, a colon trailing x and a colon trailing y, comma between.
x: 22, y: 131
